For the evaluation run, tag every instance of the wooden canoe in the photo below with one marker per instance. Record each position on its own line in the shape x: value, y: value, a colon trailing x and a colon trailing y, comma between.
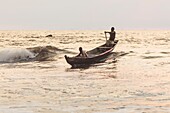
x: 96, y: 55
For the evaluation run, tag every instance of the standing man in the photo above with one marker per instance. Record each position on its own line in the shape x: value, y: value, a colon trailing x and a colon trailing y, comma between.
x: 112, y: 34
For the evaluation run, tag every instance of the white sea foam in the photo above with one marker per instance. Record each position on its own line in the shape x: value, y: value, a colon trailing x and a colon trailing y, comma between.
x: 15, y: 54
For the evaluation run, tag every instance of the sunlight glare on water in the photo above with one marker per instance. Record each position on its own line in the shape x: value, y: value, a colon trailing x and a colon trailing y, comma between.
x: 138, y: 80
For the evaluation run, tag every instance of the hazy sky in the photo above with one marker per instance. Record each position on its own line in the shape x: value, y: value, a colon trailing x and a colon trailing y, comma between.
x: 84, y: 14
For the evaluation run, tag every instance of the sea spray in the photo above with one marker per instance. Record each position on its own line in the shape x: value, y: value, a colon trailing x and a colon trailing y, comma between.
x: 15, y: 54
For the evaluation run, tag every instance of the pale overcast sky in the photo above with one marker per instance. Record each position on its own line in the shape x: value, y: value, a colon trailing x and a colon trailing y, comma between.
x: 84, y: 14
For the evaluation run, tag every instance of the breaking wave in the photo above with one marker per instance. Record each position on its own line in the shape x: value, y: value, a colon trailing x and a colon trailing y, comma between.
x: 15, y: 55
x: 39, y: 53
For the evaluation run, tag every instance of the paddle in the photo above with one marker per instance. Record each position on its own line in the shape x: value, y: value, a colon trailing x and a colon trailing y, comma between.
x: 105, y: 36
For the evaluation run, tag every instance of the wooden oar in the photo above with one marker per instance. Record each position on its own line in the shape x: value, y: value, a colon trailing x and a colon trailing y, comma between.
x: 106, y: 36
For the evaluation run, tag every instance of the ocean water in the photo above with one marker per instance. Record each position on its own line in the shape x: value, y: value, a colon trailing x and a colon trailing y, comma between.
x: 35, y: 78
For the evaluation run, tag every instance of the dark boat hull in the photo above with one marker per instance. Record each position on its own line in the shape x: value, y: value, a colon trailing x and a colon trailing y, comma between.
x: 96, y: 55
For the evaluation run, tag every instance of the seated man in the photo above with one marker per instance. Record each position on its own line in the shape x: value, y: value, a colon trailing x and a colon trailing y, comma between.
x: 82, y: 53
